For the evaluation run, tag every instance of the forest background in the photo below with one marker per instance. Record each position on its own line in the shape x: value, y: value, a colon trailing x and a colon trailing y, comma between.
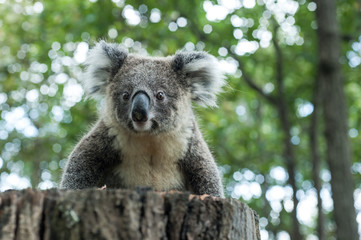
x: 272, y: 133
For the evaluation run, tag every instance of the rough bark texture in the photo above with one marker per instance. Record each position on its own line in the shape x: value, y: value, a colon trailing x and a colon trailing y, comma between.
x: 335, y: 116
x: 122, y: 214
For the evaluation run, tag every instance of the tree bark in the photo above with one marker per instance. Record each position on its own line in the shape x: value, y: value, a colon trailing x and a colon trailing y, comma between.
x: 123, y: 214
x: 335, y: 116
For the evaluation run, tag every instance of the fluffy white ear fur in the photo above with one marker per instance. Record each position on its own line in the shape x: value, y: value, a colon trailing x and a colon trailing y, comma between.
x: 102, y: 63
x: 205, y: 76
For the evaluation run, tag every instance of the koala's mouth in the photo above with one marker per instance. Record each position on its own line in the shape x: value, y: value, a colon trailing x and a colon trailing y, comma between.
x: 149, y: 126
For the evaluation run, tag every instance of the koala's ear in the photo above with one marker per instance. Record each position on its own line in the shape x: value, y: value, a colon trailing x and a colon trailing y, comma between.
x: 102, y: 63
x: 203, y: 73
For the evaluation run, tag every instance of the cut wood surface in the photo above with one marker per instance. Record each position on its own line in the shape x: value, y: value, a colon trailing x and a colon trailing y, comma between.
x: 123, y: 214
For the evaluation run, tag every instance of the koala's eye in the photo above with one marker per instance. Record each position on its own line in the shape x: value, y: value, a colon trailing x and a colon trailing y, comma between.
x: 125, y: 96
x: 160, y: 95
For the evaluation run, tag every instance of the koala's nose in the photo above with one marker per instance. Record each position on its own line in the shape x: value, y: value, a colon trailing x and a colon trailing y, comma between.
x: 140, y: 107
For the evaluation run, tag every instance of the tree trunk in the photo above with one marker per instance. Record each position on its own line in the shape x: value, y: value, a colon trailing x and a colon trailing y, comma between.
x: 290, y: 161
x: 335, y: 115
x: 279, y: 101
x: 122, y: 214
x: 288, y: 152
x: 316, y: 160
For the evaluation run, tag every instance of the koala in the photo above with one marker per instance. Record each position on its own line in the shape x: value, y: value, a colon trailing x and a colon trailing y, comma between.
x: 147, y: 133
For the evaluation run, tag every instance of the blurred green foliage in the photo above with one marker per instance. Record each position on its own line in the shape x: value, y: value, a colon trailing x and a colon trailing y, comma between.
x: 43, y: 111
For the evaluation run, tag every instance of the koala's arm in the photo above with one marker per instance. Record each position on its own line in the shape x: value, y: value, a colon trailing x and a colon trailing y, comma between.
x: 200, y: 169
x: 90, y: 160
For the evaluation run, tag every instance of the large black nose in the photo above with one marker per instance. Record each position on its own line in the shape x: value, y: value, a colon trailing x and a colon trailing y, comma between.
x: 140, y: 107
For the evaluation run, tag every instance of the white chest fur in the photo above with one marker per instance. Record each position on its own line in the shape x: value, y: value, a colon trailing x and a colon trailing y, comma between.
x: 151, y: 160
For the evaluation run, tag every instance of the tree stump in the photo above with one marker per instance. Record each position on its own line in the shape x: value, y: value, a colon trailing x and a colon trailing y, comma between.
x: 122, y: 214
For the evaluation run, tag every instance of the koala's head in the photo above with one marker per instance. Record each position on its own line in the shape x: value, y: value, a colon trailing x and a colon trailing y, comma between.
x: 151, y: 95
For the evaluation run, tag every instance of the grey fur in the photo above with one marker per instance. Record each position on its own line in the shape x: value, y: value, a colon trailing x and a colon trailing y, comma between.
x: 167, y: 151
x: 205, y: 78
x: 103, y: 62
